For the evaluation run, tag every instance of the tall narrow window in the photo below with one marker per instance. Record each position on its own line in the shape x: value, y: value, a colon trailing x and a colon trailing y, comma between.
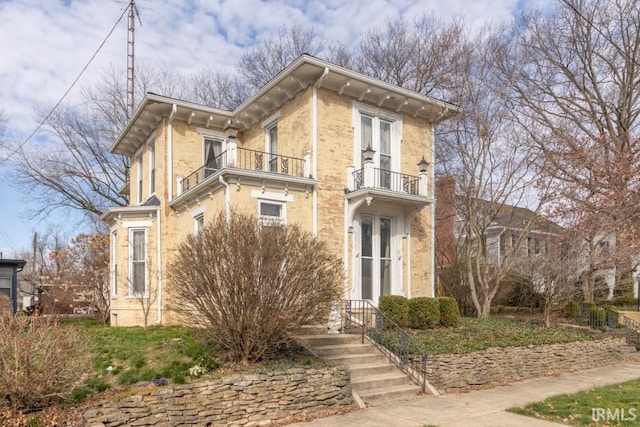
x: 385, y: 256
x: 385, y: 155
x: 272, y: 147
x: 140, y: 170
x: 366, y: 254
x: 198, y: 224
x: 114, y: 245
x: 152, y: 167
x: 212, y: 156
x: 138, y: 268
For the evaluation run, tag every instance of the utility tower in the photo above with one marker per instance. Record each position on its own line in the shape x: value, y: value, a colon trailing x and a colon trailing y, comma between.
x: 131, y: 53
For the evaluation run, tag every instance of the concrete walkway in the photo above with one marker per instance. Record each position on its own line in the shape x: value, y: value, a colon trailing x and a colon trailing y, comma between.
x: 485, y: 407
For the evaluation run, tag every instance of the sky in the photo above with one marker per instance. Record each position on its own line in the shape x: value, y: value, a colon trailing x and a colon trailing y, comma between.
x: 44, y: 44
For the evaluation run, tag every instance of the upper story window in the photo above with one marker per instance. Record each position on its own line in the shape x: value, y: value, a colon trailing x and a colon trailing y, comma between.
x: 382, y: 131
x: 270, y: 126
x: 213, y: 148
x: 272, y: 147
x: 152, y: 167
x: 140, y: 171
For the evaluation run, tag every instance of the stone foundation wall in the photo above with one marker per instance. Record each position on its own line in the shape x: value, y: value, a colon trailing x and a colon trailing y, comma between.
x: 462, y: 372
x: 249, y: 400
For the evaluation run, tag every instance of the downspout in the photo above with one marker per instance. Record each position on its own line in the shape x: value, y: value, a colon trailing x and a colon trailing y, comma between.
x: 174, y: 110
x: 314, y: 133
x: 227, y: 199
x: 159, y: 247
x: 433, y: 212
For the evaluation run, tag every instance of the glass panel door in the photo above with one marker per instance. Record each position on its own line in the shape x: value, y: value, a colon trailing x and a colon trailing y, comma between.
x: 385, y: 154
x: 385, y: 256
x: 375, y: 257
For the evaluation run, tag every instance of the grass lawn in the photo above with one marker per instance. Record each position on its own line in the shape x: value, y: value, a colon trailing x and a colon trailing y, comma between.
x: 475, y: 334
x: 614, y: 405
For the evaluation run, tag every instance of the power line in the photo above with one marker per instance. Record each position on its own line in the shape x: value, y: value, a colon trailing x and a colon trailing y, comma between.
x: 43, y: 121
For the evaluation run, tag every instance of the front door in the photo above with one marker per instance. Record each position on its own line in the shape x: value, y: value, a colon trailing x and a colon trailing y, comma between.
x: 375, y: 256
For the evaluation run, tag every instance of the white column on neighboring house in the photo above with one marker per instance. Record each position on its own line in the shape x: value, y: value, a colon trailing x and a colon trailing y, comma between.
x: 232, y: 152
x: 368, y: 174
x: 307, y: 164
x: 351, y: 185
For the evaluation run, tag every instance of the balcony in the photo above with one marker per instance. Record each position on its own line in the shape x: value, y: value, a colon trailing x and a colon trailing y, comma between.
x: 244, y: 159
x: 399, y: 188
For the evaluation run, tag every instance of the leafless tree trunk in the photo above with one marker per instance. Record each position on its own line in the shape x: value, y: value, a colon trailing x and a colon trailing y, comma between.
x: 494, y: 169
x: 575, y: 87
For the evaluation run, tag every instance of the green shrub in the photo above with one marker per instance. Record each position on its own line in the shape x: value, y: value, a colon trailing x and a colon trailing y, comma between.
x: 571, y: 310
x: 449, y: 312
x: 396, y: 308
x: 128, y: 377
x: 179, y: 379
x: 424, y: 313
x: 625, y: 301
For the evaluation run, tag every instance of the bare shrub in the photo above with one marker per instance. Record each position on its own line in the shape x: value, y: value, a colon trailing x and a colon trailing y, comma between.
x: 40, y: 361
x: 250, y: 284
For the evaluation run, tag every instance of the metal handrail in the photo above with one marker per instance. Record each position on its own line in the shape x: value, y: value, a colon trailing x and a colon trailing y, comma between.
x: 409, y: 354
x: 270, y: 162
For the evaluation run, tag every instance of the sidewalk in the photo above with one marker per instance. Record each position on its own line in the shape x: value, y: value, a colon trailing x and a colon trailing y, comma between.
x: 485, y: 407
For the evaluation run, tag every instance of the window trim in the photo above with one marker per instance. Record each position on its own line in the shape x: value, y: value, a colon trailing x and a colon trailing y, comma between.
x: 267, y: 219
x: 197, y: 219
x: 132, y: 294
x: 152, y: 166
x: 140, y: 173
x: 377, y: 114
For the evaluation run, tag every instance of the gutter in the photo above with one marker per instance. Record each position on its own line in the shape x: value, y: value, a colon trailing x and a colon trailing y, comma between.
x: 174, y: 110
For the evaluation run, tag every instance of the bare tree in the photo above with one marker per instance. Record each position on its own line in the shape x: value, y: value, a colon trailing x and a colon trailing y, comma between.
x: 422, y: 56
x: 575, y: 89
x: 146, y: 299
x: 262, y: 62
x: 250, y: 284
x: 555, y: 270
x: 494, y: 171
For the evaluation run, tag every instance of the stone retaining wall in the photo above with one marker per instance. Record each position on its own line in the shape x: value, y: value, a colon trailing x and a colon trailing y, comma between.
x: 249, y: 400
x: 462, y: 372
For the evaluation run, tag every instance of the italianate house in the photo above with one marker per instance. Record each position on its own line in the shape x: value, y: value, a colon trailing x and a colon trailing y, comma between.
x: 345, y: 156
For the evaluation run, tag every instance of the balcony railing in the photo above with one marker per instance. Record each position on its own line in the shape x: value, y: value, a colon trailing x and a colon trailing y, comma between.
x: 246, y: 159
x: 386, y: 179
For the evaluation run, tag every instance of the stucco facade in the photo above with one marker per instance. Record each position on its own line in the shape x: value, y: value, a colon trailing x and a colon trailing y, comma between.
x: 292, y: 153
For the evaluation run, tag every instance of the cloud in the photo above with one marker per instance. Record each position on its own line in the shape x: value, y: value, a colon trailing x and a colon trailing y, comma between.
x: 46, y: 43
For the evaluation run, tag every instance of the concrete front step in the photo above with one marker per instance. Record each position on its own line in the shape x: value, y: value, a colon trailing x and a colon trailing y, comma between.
x: 373, y: 377
x: 366, y: 369
x: 357, y: 359
x: 388, y: 394
x: 321, y: 340
x: 342, y: 349
x: 381, y: 381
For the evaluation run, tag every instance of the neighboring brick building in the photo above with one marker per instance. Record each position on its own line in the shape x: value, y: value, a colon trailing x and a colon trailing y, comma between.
x: 511, y: 228
x: 294, y: 153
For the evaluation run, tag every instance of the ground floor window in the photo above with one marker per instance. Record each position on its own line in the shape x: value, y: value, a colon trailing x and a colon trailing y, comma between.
x: 5, y: 286
x: 138, y: 264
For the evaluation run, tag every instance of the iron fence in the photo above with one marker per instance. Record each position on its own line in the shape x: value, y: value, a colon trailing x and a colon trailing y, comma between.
x: 386, y: 179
